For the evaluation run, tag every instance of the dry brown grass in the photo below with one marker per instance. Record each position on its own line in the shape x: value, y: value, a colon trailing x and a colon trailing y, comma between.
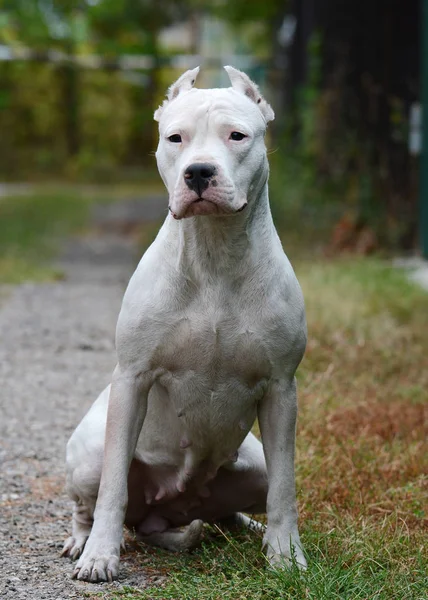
x: 363, y: 388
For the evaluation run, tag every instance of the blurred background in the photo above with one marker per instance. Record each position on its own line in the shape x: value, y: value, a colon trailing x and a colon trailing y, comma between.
x: 79, y: 81
x: 80, y: 200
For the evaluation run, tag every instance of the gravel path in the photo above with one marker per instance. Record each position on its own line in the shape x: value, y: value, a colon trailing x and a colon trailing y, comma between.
x: 56, y: 355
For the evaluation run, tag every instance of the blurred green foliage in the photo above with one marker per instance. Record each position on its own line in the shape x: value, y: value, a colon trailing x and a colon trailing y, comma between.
x: 32, y: 121
x: 62, y: 120
x: 95, y: 123
x: 75, y: 122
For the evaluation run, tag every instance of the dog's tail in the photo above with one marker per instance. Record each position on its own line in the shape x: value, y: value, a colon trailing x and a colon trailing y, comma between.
x: 175, y: 540
x: 242, y: 521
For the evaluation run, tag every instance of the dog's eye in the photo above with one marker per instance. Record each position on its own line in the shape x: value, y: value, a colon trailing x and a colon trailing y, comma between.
x: 236, y: 136
x: 175, y: 139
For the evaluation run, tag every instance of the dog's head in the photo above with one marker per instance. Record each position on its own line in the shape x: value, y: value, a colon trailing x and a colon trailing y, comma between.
x: 211, y: 153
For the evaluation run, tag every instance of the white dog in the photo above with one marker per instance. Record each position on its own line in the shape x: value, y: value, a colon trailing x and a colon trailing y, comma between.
x: 211, y: 331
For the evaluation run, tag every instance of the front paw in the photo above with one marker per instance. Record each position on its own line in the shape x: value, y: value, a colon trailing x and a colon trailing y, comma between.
x: 284, y: 551
x: 99, y: 562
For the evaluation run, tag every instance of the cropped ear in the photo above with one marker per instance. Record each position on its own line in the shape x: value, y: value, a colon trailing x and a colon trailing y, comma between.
x: 242, y: 83
x: 183, y: 84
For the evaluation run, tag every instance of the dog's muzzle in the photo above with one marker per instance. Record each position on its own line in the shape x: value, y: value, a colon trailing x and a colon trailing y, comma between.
x: 198, y: 175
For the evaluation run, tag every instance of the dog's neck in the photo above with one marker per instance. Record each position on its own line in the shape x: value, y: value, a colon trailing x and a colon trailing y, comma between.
x: 210, y: 246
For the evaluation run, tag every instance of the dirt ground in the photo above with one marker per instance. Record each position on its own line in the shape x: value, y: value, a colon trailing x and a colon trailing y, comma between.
x: 56, y: 355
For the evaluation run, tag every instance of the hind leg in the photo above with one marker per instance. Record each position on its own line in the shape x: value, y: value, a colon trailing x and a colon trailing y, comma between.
x: 83, y: 464
x: 175, y: 539
x: 82, y: 486
x: 239, y: 486
x: 81, y: 528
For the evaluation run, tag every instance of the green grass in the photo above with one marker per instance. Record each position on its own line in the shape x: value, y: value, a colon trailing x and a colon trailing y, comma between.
x: 234, y: 568
x: 31, y: 231
x: 34, y: 227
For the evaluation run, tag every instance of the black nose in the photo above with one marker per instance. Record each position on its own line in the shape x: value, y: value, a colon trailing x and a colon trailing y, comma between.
x: 198, y: 175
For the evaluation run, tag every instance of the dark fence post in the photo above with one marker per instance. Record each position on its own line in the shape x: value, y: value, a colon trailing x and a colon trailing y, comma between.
x: 423, y: 195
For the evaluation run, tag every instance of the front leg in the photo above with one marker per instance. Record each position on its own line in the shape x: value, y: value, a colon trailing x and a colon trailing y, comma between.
x: 126, y: 412
x: 277, y: 419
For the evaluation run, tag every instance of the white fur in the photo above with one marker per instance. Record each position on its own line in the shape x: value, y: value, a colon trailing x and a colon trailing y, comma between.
x: 211, y: 331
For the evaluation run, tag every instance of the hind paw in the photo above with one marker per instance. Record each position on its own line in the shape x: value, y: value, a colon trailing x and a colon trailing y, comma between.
x: 73, y: 546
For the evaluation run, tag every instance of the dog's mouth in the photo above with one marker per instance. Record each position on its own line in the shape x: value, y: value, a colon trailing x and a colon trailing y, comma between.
x: 238, y: 210
x: 205, y: 206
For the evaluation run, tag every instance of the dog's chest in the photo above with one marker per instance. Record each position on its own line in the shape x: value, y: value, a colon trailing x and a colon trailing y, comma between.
x: 214, y: 344
x: 215, y: 367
